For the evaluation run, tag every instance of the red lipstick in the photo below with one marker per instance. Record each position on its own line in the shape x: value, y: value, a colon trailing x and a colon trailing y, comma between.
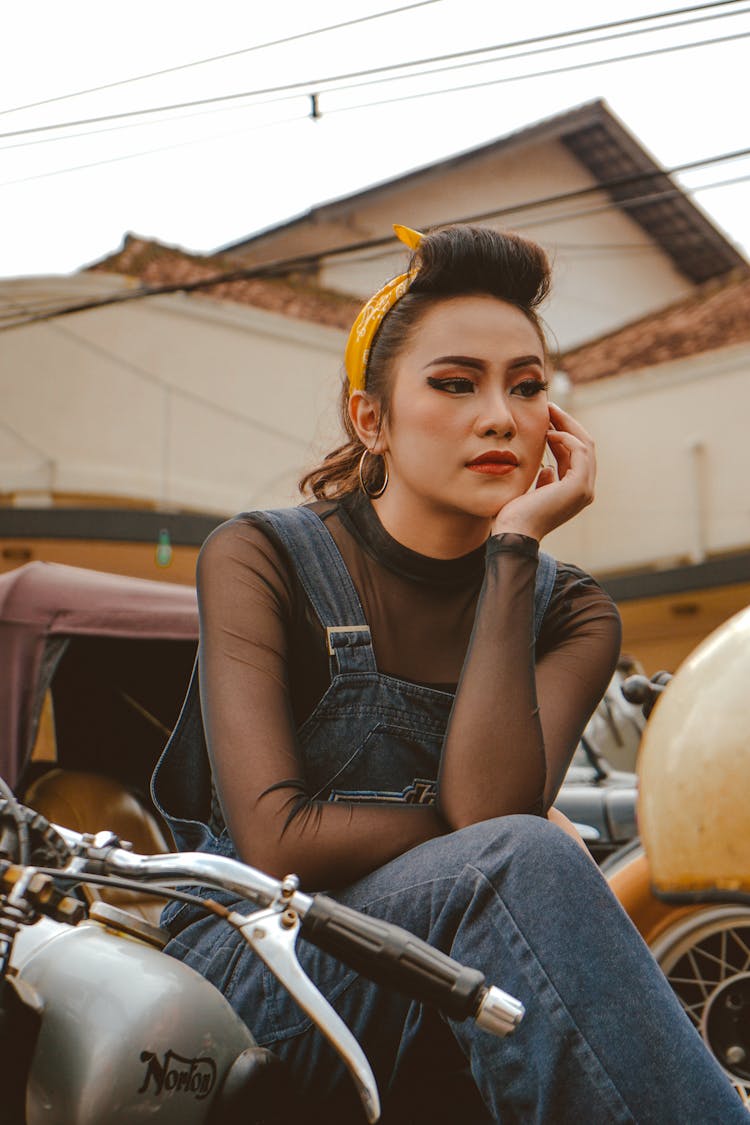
x: 496, y: 462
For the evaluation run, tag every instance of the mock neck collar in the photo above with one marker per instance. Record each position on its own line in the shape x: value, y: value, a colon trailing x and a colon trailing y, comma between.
x: 362, y: 521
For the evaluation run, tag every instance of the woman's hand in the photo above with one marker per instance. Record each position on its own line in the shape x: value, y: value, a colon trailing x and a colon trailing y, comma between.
x: 554, y: 816
x: 555, y: 499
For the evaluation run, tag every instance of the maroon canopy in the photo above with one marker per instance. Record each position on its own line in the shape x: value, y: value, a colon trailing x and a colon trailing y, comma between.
x: 43, y: 606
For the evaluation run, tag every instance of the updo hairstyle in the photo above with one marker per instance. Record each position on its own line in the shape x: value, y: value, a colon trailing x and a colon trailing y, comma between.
x: 456, y: 261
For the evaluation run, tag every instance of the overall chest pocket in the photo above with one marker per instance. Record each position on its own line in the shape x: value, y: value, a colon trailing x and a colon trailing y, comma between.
x: 391, y: 762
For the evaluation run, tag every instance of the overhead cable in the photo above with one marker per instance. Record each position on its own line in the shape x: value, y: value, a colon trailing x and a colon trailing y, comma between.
x: 528, y: 54
x: 543, y: 73
x: 316, y: 84
x: 147, y: 152
x: 220, y: 58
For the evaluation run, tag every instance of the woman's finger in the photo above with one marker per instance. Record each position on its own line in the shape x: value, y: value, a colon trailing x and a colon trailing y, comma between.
x: 546, y: 476
x: 576, y: 466
x: 565, y: 422
x: 562, y: 446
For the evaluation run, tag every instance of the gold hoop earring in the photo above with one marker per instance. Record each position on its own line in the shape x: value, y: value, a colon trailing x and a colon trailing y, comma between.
x: 372, y: 493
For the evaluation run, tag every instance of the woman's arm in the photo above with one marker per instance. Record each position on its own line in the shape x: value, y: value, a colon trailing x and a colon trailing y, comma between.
x: 245, y: 608
x: 516, y: 722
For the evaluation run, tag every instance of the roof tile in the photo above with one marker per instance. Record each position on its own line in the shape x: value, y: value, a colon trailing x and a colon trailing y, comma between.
x: 156, y: 264
x: 715, y: 316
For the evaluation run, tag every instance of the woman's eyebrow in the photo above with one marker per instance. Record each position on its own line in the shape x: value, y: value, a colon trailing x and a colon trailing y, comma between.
x: 526, y: 361
x: 458, y: 361
x: 474, y: 364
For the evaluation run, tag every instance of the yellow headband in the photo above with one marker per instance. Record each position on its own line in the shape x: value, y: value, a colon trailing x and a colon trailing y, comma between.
x: 371, y: 315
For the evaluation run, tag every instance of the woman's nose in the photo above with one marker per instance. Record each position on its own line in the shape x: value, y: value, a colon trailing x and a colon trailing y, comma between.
x: 495, y: 416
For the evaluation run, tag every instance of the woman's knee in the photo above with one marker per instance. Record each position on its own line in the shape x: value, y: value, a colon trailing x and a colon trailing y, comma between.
x: 529, y: 847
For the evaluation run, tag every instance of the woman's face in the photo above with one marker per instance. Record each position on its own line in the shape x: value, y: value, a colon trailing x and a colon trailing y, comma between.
x: 468, y: 416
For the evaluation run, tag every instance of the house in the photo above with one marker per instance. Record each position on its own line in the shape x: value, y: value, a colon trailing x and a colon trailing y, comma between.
x: 667, y: 398
x: 138, y: 424
x: 624, y: 238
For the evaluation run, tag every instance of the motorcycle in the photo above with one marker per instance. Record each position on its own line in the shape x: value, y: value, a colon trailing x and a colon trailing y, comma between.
x: 99, y: 1027
x: 686, y: 881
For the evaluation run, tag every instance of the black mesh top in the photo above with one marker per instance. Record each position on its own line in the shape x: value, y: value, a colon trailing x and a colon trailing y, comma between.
x: 460, y: 624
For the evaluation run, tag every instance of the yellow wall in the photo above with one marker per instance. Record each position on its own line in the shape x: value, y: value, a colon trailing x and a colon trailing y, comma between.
x: 136, y: 559
x: 662, y: 631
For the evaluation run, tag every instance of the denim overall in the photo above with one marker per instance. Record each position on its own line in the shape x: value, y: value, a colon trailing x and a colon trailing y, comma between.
x: 514, y: 897
x: 370, y: 738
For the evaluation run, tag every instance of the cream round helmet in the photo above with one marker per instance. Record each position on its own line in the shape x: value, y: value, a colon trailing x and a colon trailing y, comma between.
x: 694, y: 773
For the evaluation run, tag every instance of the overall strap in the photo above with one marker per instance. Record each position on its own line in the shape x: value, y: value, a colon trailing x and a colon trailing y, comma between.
x: 545, y: 580
x: 328, y: 585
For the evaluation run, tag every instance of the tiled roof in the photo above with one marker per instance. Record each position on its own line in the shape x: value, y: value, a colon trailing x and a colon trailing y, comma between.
x: 156, y: 264
x: 717, y: 315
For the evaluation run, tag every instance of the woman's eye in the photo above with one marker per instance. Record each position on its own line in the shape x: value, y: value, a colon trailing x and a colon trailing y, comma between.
x: 454, y: 386
x: 529, y: 387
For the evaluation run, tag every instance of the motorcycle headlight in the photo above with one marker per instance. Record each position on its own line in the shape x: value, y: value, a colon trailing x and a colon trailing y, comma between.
x: 694, y: 773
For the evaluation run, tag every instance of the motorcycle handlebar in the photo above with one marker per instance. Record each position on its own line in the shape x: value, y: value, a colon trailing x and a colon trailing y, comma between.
x: 379, y: 950
x: 639, y: 690
x: 280, y: 911
x: 390, y: 955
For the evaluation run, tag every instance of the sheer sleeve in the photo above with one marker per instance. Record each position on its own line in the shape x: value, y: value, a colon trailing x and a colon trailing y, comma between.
x: 517, y: 717
x: 246, y: 601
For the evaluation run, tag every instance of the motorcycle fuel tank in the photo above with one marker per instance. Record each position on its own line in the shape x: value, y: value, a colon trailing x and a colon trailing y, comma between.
x: 127, y: 1035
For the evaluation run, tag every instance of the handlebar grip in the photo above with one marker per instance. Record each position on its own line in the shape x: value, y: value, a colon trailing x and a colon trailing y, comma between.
x: 389, y: 955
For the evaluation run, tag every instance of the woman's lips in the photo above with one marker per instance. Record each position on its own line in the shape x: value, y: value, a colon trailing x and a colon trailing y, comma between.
x: 494, y: 464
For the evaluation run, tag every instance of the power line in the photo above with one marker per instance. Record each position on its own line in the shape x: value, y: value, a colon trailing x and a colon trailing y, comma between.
x: 129, y: 125
x: 419, y: 74
x: 219, y: 58
x: 146, y: 152
x: 539, y: 51
x: 284, y: 266
x: 544, y: 73
x: 316, y: 83
x: 633, y: 201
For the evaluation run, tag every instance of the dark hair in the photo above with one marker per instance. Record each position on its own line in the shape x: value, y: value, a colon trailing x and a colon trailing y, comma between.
x: 456, y: 261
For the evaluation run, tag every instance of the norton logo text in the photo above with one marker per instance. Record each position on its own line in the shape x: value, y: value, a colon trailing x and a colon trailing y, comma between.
x: 173, y: 1072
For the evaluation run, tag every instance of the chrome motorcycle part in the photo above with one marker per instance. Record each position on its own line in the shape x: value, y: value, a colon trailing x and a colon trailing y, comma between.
x: 499, y: 1013
x: 273, y: 936
x: 126, y: 1033
x: 383, y: 952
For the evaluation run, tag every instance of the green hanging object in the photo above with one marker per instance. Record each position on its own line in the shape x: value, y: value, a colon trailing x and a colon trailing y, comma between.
x: 163, y: 548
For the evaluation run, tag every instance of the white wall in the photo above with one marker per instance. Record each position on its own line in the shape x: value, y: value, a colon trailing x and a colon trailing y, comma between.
x: 673, y: 458
x: 181, y: 400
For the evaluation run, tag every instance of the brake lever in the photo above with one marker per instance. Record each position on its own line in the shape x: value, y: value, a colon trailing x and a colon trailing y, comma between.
x: 272, y: 934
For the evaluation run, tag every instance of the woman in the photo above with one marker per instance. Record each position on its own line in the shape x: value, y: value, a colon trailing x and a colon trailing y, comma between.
x: 392, y: 682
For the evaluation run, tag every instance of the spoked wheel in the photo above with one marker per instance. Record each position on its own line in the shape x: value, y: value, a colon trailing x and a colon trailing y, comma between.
x: 704, y: 952
x: 706, y: 959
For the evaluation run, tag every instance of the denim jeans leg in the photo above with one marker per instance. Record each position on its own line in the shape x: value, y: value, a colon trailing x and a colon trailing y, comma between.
x: 603, y: 1041
x: 604, y: 1038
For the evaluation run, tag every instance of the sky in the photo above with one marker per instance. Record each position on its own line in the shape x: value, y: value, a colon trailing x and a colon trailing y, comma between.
x: 208, y: 175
